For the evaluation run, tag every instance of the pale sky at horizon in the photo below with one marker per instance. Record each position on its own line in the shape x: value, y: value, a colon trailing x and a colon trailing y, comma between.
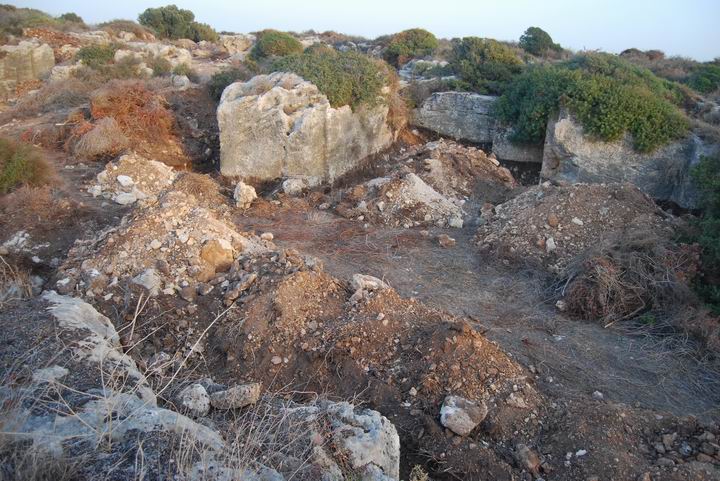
x: 687, y: 28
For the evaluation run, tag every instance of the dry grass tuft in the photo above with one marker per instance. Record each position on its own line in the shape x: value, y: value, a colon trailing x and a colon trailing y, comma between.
x: 22, y: 461
x: 54, y: 96
x: 15, y: 282
x: 202, y: 187
x: 105, y: 140
x: 23, y: 164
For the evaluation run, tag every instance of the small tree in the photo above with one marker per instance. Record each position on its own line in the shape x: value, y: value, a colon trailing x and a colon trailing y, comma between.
x: 537, y: 41
x: 173, y: 22
x: 410, y: 44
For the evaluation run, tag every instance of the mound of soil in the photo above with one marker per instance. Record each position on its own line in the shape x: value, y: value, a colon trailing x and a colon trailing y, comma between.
x: 428, y: 187
x: 549, y: 225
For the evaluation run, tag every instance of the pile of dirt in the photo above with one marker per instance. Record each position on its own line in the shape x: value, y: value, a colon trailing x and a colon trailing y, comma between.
x: 428, y: 187
x: 165, y: 246
x: 550, y: 225
x: 132, y: 178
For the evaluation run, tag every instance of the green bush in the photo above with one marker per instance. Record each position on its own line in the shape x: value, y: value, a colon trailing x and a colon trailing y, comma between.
x: 271, y: 43
x: 346, y: 78
x: 159, y: 65
x: 409, y: 44
x: 173, y: 22
x: 538, y: 42
x: 222, y: 79
x: 707, y: 176
x: 705, y: 78
x: 96, y: 56
x: 22, y: 164
x: 72, y: 17
x: 185, y: 69
x: 607, y: 107
x: 485, y: 66
x: 14, y: 19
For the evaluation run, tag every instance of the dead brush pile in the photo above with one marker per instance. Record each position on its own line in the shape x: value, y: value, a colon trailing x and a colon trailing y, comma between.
x: 134, y: 111
x: 642, y: 276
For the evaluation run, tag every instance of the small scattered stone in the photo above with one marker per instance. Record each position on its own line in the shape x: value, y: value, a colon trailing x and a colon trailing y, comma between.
x: 461, y: 415
x: 236, y: 397
x: 276, y: 360
x: 267, y: 236
x: 446, y: 241
x: 553, y: 220
x: 195, y: 400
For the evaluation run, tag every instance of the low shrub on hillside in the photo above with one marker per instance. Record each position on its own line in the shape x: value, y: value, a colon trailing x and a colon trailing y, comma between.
x: 271, y: 43
x: 538, y: 42
x: 607, y: 101
x: 187, y: 70
x: 72, y: 17
x: 346, y: 78
x: 705, y: 78
x: 159, y: 65
x: 707, y: 176
x: 409, y: 44
x: 116, y: 26
x: 105, y: 140
x: 173, y: 22
x: 219, y: 81
x: 22, y: 164
x: 54, y: 96
x: 484, y: 65
x: 96, y: 56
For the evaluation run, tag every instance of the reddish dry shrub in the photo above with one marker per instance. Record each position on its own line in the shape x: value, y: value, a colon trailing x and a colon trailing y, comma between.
x: 105, y: 139
x: 139, y: 112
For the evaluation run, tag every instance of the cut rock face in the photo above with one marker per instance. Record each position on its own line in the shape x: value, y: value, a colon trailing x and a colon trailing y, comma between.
x: 460, y: 115
x: 571, y: 157
x: 22, y: 62
x: 280, y: 125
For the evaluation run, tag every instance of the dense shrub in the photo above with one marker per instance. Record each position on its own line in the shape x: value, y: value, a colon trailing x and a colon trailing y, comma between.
x: 537, y: 41
x: 707, y: 176
x: 705, y: 78
x: 409, y: 44
x: 159, y: 65
x: 346, y: 78
x: 173, y: 22
x: 96, y: 56
x: 185, y: 69
x: 22, y: 164
x: 271, y: 43
x: 485, y: 65
x: 222, y: 79
x: 608, y: 107
x: 13, y: 19
x: 71, y: 17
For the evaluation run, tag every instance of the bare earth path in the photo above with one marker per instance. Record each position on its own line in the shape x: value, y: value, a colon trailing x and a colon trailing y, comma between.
x: 572, y: 358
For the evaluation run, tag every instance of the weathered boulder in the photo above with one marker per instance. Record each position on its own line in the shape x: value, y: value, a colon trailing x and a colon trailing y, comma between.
x: 571, y: 157
x: 460, y: 115
x: 280, y: 125
x: 237, y: 43
x: 28, y: 60
x: 461, y: 415
x: 504, y: 149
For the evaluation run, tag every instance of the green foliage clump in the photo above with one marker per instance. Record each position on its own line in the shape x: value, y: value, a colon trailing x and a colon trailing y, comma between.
x: 346, y: 78
x: 21, y: 164
x: 705, y: 78
x: 271, y: 43
x: 484, y: 65
x: 14, y: 19
x: 608, y: 98
x: 538, y: 42
x: 173, y: 22
x: 72, y: 17
x: 159, y: 65
x: 707, y: 176
x: 96, y: 56
x: 185, y: 69
x: 409, y: 44
x: 219, y: 81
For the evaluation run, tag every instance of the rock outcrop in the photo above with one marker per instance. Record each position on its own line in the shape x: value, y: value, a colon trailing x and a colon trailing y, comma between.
x: 460, y: 115
x: 504, y: 149
x: 280, y: 125
x: 235, y: 44
x: 571, y: 157
x: 26, y: 61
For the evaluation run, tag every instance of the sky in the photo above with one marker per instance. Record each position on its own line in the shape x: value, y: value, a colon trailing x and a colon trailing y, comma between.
x: 688, y: 28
